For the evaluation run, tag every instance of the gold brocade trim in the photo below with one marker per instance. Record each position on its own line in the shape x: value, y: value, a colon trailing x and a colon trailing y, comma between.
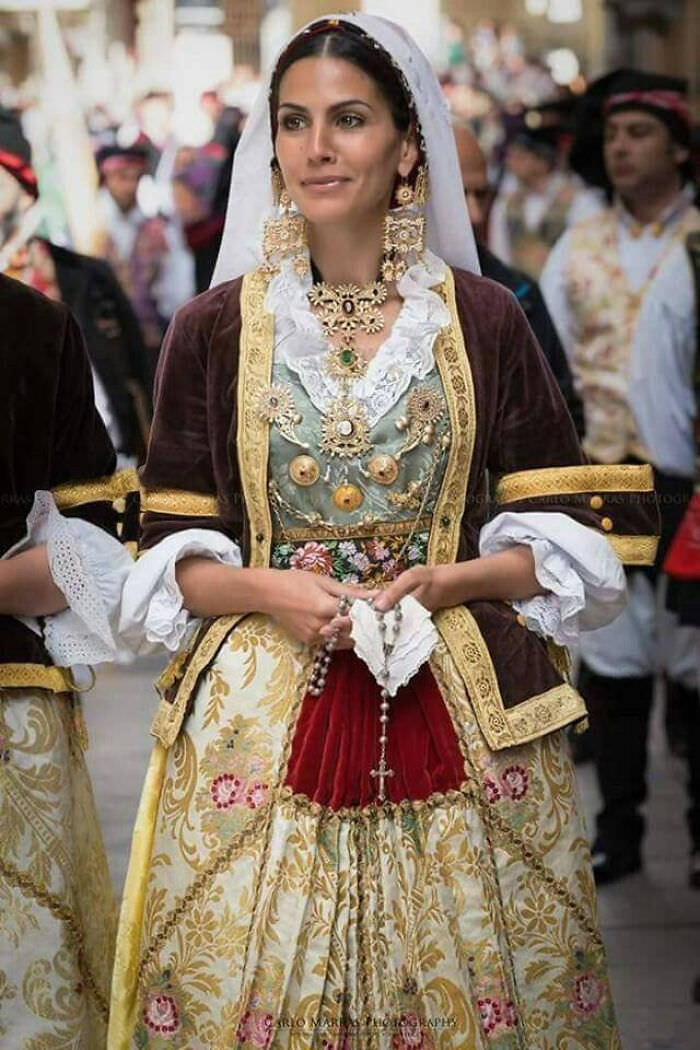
x: 60, y: 910
x: 295, y: 804
x: 456, y: 376
x: 253, y: 432
x: 542, y: 714
x: 346, y: 532
x: 169, y: 717
x: 557, y: 481
x: 36, y: 676
x: 502, y: 727
x: 179, y: 501
x: 633, y: 550
x: 109, y: 489
x: 470, y: 653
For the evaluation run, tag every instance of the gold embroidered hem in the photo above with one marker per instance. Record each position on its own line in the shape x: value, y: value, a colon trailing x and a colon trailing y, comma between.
x: 35, y: 676
x: 57, y: 904
x: 634, y: 550
x: 177, y: 501
x: 253, y: 917
x: 555, y: 481
x: 503, y: 727
x: 458, y: 384
x: 106, y: 489
x: 377, y: 529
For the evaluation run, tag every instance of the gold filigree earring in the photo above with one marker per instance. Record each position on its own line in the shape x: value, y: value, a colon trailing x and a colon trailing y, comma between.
x: 277, y: 184
x: 284, y: 236
x: 404, y: 227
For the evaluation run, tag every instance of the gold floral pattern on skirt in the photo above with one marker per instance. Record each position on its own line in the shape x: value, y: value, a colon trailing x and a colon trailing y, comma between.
x: 57, y: 906
x: 255, y: 918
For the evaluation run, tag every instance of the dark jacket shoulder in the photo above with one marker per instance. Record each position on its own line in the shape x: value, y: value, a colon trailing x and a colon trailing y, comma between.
x: 200, y: 317
x: 23, y: 310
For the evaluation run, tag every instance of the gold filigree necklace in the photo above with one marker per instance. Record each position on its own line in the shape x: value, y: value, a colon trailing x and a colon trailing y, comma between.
x: 342, y: 310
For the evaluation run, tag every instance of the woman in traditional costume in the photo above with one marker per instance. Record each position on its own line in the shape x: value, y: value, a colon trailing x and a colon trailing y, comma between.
x: 61, y: 575
x: 359, y: 827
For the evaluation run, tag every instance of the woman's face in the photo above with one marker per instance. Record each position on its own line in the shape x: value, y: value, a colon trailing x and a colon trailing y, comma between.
x: 337, y: 145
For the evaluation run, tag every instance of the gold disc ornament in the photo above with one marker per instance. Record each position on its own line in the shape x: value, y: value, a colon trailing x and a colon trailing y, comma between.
x: 348, y: 498
x: 304, y: 471
x: 383, y: 469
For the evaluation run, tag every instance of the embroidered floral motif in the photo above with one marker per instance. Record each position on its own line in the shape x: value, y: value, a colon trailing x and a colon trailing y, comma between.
x: 497, y: 1016
x: 353, y: 560
x: 411, y: 1034
x: 312, y: 557
x: 255, y: 1029
x: 581, y: 996
x: 514, y: 782
x: 589, y: 993
x: 162, y: 1022
x: 161, y: 1015
x: 513, y: 787
x: 236, y: 766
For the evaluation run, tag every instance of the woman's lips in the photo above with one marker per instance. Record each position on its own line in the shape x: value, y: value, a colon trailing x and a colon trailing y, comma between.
x: 325, y: 184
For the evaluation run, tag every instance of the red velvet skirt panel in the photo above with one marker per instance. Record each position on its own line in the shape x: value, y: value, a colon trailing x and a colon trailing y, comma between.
x: 336, y: 740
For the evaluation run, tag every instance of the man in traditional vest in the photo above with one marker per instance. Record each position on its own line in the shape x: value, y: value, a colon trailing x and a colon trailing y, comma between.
x: 634, y: 140
x: 538, y: 199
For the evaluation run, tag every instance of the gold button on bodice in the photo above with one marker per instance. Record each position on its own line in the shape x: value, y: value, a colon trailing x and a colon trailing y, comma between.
x: 521, y: 619
x: 383, y: 469
x: 348, y: 498
x: 596, y: 502
x: 606, y: 524
x: 304, y: 470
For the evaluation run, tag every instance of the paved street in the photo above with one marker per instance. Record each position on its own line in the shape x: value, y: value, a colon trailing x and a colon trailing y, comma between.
x: 651, y: 922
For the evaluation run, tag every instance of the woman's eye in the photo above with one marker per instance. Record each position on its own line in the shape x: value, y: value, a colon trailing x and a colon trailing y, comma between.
x: 293, y: 123
x: 350, y: 120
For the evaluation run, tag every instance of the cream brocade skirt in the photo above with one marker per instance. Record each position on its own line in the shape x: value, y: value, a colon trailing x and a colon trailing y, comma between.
x: 57, y: 904
x: 254, y: 918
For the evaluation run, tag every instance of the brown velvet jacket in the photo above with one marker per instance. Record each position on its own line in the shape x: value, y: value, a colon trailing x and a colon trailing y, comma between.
x: 51, y: 438
x: 514, y: 447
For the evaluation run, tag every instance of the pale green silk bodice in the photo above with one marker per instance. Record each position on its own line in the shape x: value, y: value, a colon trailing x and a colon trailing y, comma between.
x: 360, y: 516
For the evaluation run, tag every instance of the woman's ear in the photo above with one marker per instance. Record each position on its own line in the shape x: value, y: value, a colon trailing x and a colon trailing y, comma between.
x: 410, y: 154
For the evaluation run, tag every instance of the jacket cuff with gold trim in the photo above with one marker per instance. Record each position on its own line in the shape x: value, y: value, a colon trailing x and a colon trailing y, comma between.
x: 110, y: 502
x: 618, y: 501
x: 167, y: 511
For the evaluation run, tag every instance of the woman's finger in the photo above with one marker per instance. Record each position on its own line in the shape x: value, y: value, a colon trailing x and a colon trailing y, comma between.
x: 387, y: 599
x: 338, y: 625
x: 352, y: 590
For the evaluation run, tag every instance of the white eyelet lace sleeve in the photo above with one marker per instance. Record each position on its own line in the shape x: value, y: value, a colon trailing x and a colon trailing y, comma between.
x: 89, y: 566
x: 153, y: 613
x: 578, y: 568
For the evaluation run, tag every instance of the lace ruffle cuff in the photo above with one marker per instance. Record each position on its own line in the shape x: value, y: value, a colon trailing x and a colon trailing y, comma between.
x: 90, y: 567
x: 577, y: 567
x: 153, y: 612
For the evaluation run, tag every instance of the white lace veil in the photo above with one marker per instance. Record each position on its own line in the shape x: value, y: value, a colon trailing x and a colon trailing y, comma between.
x: 448, y: 229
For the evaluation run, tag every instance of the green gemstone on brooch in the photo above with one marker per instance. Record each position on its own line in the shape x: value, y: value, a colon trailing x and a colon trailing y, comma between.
x: 348, y: 358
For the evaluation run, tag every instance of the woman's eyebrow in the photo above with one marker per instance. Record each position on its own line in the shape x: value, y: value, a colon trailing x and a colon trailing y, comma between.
x: 336, y: 105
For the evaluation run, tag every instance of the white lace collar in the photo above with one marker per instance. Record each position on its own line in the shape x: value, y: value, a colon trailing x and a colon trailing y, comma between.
x: 405, y: 355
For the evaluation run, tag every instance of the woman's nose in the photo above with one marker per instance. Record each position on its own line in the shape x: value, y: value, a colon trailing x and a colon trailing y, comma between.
x: 320, y: 143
